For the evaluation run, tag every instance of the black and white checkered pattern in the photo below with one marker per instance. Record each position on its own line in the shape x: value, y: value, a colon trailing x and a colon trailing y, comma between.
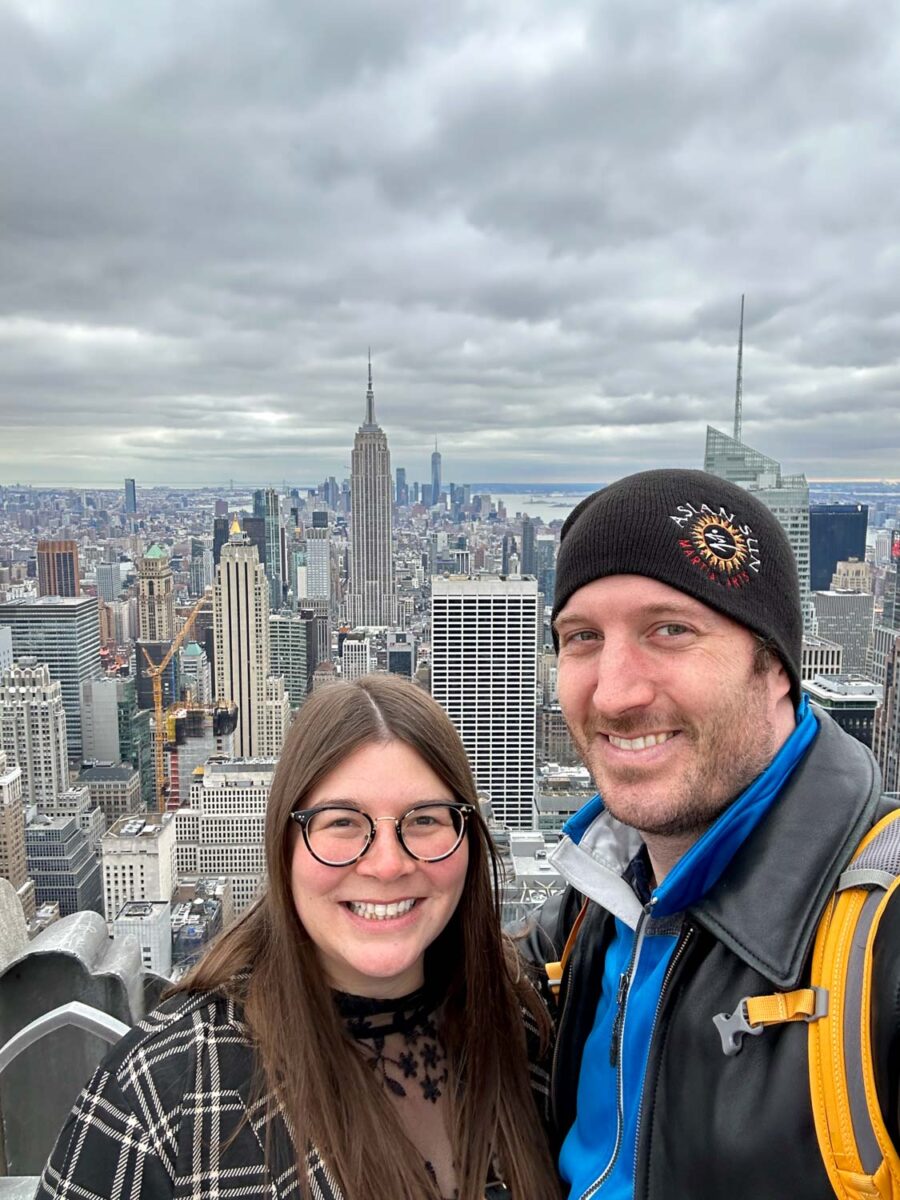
x: 171, y: 1113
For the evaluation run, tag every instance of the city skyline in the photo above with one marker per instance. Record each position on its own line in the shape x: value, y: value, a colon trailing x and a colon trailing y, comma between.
x: 542, y: 218
x: 453, y: 594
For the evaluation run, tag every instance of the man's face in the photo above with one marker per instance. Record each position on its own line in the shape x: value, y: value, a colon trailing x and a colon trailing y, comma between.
x: 666, y: 702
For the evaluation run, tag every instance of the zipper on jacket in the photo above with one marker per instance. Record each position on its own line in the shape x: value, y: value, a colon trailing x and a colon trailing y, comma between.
x: 670, y: 971
x: 622, y: 991
x: 621, y: 996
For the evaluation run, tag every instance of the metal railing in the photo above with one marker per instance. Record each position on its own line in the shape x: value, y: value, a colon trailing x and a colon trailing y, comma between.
x: 76, y: 1014
x: 82, y: 1016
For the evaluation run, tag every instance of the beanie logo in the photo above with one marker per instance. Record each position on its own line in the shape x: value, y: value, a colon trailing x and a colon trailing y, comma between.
x: 716, y: 544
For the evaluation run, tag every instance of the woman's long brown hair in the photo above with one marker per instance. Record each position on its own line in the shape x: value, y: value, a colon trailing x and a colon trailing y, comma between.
x: 330, y: 1097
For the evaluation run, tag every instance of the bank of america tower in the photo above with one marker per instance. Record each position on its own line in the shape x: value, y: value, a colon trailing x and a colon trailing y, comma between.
x: 371, y: 600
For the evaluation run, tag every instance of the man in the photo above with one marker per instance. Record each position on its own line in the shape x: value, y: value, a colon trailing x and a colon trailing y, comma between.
x: 727, y: 809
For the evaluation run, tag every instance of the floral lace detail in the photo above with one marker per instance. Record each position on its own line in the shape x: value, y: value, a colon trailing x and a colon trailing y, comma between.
x: 415, y: 1058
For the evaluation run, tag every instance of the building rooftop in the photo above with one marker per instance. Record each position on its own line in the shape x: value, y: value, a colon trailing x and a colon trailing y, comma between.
x: 844, y: 687
x: 531, y: 869
x: 553, y: 773
x: 142, y: 910
x: 148, y: 824
x: 813, y: 642
x: 41, y: 823
x: 56, y: 602
x: 236, y: 767
x: 123, y: 773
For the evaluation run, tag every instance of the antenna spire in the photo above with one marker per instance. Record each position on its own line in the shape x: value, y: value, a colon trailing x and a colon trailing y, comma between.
x: 739, y: 386
x: 370, y: 395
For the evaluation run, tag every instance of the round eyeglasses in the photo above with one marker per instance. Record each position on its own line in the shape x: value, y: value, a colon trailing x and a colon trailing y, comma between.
x: 337, y: 835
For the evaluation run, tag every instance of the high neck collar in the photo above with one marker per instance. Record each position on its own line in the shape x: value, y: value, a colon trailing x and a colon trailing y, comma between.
x: 368, y: 1016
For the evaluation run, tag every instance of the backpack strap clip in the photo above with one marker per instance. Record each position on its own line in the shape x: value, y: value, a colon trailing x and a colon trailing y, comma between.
x: 754, y: 1013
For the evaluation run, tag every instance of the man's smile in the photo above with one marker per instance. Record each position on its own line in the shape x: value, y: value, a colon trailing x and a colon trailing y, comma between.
x: 640, y: 743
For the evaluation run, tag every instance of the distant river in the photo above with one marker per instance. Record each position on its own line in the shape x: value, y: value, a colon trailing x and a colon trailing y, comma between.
x: 550, y: 506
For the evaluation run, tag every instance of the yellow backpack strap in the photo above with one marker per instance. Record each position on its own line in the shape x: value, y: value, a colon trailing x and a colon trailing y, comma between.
x: 857, y: 1151
x: 554, y: 970
x: 853, y: 1138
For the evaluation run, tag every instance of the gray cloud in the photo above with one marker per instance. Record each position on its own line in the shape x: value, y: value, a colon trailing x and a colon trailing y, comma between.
x: 541, y: 216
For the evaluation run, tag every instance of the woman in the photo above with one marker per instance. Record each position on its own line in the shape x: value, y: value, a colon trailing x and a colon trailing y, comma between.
x: 367, y: 1002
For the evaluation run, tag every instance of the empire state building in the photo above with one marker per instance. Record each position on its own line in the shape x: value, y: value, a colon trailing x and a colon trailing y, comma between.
x: 371, y: 600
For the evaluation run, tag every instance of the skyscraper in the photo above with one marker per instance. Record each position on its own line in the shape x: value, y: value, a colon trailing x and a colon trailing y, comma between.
x: 401, y: 494
x: 435, y: 475
x: 356, y: 657
x: 508, y: 550
x: 192, y: 737
x: 138, y: 858
x: 883, y: 667
x: 220, y: 537
x: 294, y: 651
x: 318, y: 559
x: 115, y: 729
x: 401, y: 653
x: 886, y: 733
x: 546, y: 547
x: 255, y: 531
x: 115, y: 790
x: 836, y: 532
x: 276, y: 716
x: 845, y: 617
x: 33, y: 729
x: 64, y: 633
x: 201, y: 568
x: 484, y: 675
x: 63, y: 865
x: 242, y: 644
x: 109, y: 581
x: 787, y: 496
x: 528, y: 561
x: 156, y: 596
x: 221, y: 831
x: 57, y: 568
x: 371, y: 600
x: 13, y: 860
x: 6, y: 650
x: 196, y: 674
x: 130, y: 496
x: 851, y: 700
x: 266, y: 507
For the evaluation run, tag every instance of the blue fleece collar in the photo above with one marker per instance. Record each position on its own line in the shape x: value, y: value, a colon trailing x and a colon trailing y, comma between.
x: 702, y: 866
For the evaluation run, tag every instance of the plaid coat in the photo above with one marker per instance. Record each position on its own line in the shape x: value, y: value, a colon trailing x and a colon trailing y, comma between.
x: 156, y: 1119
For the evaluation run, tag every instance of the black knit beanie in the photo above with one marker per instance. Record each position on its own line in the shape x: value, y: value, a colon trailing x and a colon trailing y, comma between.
x: 706, y: 537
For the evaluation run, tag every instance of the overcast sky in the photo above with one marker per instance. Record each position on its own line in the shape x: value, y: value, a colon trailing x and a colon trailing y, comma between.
x: 541, y: 216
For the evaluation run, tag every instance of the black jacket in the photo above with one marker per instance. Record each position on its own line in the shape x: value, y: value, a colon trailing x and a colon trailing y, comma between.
x: 714, y: 1127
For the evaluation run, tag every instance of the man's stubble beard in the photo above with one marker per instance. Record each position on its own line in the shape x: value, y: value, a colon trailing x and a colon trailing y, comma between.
x: 730, y: 749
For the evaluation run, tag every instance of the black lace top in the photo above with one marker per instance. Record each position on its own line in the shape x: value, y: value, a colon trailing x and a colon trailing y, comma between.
x: 400, y: 1041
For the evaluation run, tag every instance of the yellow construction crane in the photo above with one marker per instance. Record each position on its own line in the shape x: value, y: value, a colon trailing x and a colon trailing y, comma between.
x: 154, y: 674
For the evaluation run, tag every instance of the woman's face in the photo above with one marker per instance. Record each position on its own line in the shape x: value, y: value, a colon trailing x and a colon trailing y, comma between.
x: 363, y: 952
